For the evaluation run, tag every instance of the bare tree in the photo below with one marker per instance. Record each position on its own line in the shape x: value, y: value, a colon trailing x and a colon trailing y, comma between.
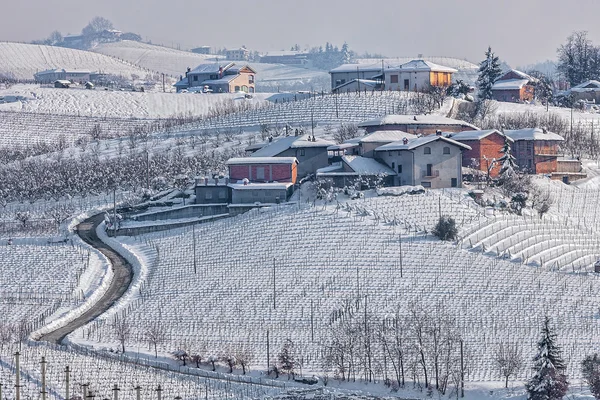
x: 156, y: 334
x: 6, y: 334
x: 508, y: 360
x: 418, y: 326
x: 122, y: 330
x: 22, y: 331
x: 244, y: 356
x: 392, y: 338
x: 59, y: 213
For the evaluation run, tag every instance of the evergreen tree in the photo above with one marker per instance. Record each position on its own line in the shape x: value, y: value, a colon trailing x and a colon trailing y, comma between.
x: 489, y: 71
x: 549, y: 381
x: 346, y: 56
x: 590, y: 369
x: 507, y: 160
x: 287, y: 361
x: 544, y: 87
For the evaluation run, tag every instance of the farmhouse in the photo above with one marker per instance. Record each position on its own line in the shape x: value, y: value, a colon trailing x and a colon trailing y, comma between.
x: 350, y: 72
x: 52, y: 75
x: 352, y: 170
x: 367, y: 144
x: 417, y: 124
x: 430, y: 161
x: 239, y: 54
x: 587, y: 91
x: 418, y: 75
x: 220, y: 78
x: 514, y: 86
x: 310, y: 152
x: 535, y: 150
x: 262, y: 179
x: 486, y: 148
x: 358, y: 85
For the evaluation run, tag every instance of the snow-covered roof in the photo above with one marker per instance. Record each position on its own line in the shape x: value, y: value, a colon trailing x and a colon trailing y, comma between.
x: 62, y: 82
x: 343, y: 146
x: 474, y: 135
x: 224, y: 80
x: 262, y: 186
x: 386, y: 136
x: 261, y: 160
x: 522, y: 74
x: 211, y: 68
x: 413, y: 144
x: 532, y: 134
x: 422, y: 65
x: 586, y: 86
x: 376, y: 67
x: 510, y: 84
x: 67, y: 71
x: 367, y: 166
x: 414, y: 120
x: 184, y: 82
x: 366, y: 82
x: 289, y: 142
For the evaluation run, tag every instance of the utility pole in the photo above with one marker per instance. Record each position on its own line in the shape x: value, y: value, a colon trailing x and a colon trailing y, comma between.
x: 17, y: 377
x: 312, y: 322
x: 115, y: 211
x: 147, y: 170
x: 138, y: 392
x: 163, y: 80
x: 312, y: 122
x: 194, y: 245
x: 462, y: 370
x: 400, y: 243
x: 43, y: 370
x: 67, y: 376
x: 357, y: 81
x: 268, y: 356
x: 274, y: 298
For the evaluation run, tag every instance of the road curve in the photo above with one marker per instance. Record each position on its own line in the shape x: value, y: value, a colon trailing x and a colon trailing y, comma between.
x: 122, y: 271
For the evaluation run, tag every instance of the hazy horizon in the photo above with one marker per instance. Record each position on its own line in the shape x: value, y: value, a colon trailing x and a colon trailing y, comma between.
x: 520, y: 32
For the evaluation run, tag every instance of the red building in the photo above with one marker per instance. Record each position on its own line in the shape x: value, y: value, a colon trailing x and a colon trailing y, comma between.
x: 486, y: 148
x: 263, y: 169
x: 535, y: 150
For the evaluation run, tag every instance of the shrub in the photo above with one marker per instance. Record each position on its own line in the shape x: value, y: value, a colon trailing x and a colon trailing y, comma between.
x: 445, y: 229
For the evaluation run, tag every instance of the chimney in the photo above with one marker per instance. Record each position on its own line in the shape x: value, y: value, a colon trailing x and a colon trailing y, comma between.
x: 216, y: 181
x: 544, y: 130
x: 270, y: 139
x: 414, y: 118
x: 404, y: 141
x: 438, y: 133
x: 220, y: 72
x: 205, y: 181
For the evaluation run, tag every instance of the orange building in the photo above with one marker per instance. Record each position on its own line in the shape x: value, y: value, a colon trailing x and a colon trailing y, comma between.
x: 535, y: 149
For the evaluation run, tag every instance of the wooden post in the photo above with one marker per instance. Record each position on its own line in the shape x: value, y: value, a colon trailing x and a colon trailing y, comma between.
x: 159, y: 393
x: 115, y: 392
x: 67, y: 377
x: 17, y: 377
x: 274, y: 295
x: 43, y: 370
x: 85, y: 389
x: 194, y: 244
x: 138, y: 392
x: 462, y: 370
x: 268, y: 356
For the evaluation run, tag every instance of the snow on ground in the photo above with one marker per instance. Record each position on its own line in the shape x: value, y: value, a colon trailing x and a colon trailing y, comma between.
x: 175, y: 62
x: 578, y: 116
x: 22, y: 61
x: 116, y: 104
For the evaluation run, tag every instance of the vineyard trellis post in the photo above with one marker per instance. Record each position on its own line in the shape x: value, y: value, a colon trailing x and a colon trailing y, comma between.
x: 138, y: 392
x: 17, y: 377
x: 43, y: 371
x: 67, y: 377
x: 268, y: 355
x: 159, y: 392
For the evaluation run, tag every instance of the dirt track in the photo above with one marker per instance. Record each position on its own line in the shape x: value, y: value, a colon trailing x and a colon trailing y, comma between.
x: 123, y: 273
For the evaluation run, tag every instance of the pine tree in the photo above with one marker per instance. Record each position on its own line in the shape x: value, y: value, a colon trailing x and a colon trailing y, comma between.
x: 507, y: 160
x: 346, y: 56
x: 489, y: 71
x: 549, y: 381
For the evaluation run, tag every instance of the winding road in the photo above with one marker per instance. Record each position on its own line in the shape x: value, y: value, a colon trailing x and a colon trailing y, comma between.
x: 123, y: 274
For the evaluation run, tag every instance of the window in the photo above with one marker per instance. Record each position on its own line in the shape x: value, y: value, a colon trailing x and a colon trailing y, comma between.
x: 195, y: 78
x: 223, y: 194
x: 393, y: 78
x: 429, y: 170
x: 399, y: 169
x: 446, y: 150
x: 208, y: 195
x: 389, y: 153
x: 426, y: 184
x: 406, y: 84
x: 302, y: 152
x: 214, y: 77
x: 427, y: 150
x: 237, y: 88
x: 453, y: 182
x: 250, y: 78
x: 393, y: 165
x: 260, y: 173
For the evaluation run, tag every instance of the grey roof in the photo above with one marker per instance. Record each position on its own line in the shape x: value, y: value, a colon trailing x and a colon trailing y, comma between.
x: 414, y: 120
x: 367, y: 166
x: 533, y: 134
x: 224, y: 80
x: 272, y: 149
x: 474, y: 135
x: 422, y: 65
x: 413, y: 144
x: 211, y: 68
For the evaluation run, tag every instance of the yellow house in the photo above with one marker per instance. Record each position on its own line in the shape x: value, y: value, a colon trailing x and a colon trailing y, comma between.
x: 418, y: 75
x: 216, y: 78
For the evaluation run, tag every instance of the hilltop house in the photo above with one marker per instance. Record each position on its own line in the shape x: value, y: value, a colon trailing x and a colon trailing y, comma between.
x: 535, y: 150
x: 417, y: 124
x: 310, y: 152
x: 514, y: 86
x: 431, y: 161
x: 366, y: 145
x: 486, y: 147
x: 219, y: 78
x: 418, y: 75
x: 239, y: 54
x: 262, y: 179
x: 587, y: 91
x: 353, y: 170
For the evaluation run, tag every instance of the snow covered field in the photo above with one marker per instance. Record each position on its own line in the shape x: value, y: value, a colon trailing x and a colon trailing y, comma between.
x: 21, y: 61
x: 115, y: 104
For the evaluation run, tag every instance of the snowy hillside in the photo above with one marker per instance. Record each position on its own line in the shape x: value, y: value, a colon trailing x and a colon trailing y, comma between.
x: 22, y: 61
x: 173, y: 62
x: 115, y: 104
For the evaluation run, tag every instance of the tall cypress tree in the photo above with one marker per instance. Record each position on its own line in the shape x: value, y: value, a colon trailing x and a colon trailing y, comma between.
x: 489, y: 71
x: 549, y: 381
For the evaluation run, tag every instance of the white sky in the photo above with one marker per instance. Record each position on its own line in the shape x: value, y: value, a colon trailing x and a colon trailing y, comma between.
x: 519, y: 31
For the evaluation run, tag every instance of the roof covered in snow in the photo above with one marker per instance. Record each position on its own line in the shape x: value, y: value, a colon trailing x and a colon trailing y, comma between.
x: 261, y: 160
x: 271, y: 149
x: 224, y: 80
x: 376, y: 67
x: 366, y: 82
x: 422, y: 65
x: 262, y: 186
x: 413, y: 144
x: 414, y: 120
x: 474, y: 135
x: 510, y: 84
x: 591, y: 85
x: 386, y: 136
x: 211, y: 68
x: 367, y: 166
x: 533, y: 134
